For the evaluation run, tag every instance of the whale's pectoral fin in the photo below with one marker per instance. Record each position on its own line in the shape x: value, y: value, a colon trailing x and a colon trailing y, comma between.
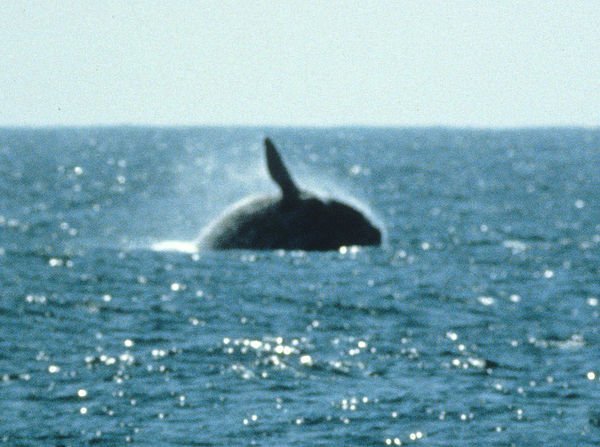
x: 279, y: 172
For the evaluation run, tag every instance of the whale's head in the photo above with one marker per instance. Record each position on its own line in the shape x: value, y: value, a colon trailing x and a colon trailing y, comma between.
x: 328, y: 223
x: 351, y: 226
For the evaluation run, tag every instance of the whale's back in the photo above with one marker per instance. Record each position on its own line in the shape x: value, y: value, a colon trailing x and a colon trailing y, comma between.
x: 307, y: 224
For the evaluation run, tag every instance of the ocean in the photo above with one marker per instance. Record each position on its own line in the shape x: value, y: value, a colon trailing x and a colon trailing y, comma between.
x: 476, y: 323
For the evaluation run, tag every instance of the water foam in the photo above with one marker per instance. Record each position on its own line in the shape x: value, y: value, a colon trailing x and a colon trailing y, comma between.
x: 175, y: 245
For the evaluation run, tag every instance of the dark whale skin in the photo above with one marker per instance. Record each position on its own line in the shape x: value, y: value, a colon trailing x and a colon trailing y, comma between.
x: 309, y: 224
x: 295, y: 220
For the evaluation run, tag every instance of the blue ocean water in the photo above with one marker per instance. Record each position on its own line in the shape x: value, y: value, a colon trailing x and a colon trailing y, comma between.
x: 477, y: 322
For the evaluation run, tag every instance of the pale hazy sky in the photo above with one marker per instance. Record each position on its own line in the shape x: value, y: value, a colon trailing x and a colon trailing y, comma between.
x: 324, y: 63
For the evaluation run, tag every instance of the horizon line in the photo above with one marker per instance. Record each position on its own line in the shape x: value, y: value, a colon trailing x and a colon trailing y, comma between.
x: 296, y: 126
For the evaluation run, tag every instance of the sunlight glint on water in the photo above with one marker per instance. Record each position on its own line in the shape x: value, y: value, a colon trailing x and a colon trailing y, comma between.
x: 477, y: 323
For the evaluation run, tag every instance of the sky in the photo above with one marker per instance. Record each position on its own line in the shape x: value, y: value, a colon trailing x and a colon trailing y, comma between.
x: 300, y: 63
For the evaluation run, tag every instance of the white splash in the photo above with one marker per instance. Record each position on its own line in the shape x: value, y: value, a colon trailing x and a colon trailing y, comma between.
x: 174, y: 245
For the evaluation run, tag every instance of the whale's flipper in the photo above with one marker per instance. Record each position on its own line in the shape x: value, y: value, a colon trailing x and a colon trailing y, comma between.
x: 279, y: 173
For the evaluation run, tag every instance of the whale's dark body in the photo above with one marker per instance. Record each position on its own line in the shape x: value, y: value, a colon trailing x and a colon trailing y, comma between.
x: 296, y: 220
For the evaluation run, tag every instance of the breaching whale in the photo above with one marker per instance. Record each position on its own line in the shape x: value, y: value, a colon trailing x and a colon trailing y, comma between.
x: 294, y: 220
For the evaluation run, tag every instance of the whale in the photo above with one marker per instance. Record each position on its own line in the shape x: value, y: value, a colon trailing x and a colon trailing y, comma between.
x: 294, y: 219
